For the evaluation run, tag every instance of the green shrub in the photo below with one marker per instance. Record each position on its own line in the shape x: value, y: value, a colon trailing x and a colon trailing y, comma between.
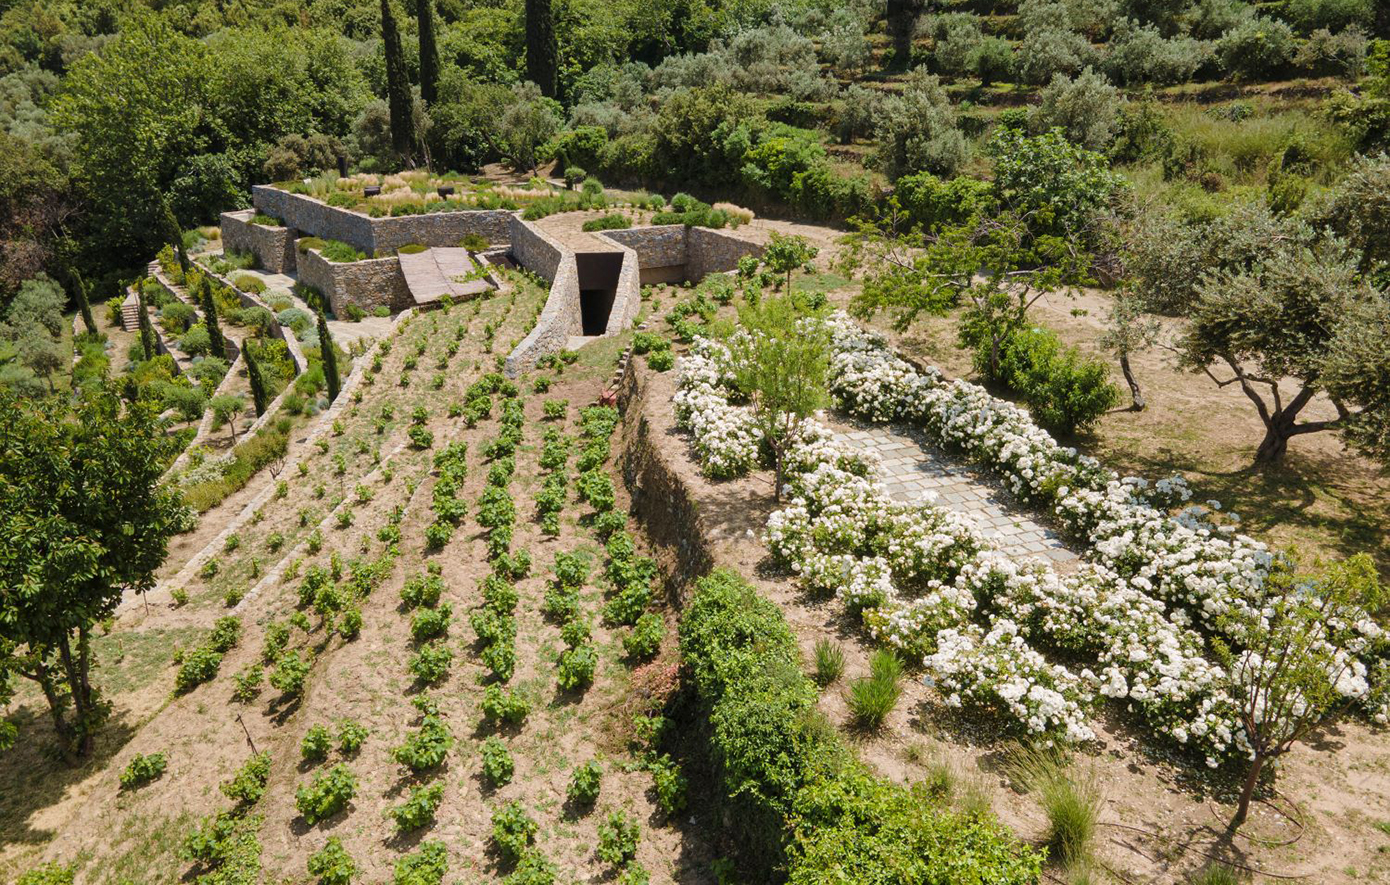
x: 143, y: 770
x: 618, y: 836
x: 427, y: 866
x: 429, y: 623
x: 47, y: 874
x: 661, y: 360
x: 426, y: 748
x: 332, y: 865
x: 420, y: 437
x: 497, y: 762
x: 290, y: 673
x: 419, y: 809
x: 1065, y: 390
x: 503, y: 706
x: 644, y: 641
x: 248, y: 785
x: 329, y: 793
x: 316, y: 744
x: 797, y: 794
x: 576, y: 670
x: 431, y: 663
x: 669, y: 783
x: 585, y: 782
x: 199, y: 666
x: 422, y: 589
x: 611, y: 221
x: 351, y: 736
x: 532, y: 869
x: 512, y: 831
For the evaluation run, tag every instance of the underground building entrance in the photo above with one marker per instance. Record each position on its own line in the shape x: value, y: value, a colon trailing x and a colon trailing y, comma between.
x: 598, y: 284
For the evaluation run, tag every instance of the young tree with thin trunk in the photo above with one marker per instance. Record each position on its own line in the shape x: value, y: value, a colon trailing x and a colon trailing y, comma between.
x: 429, y: 52
x: 330, y: 359
x: 85, y: 521
x: 786, y: 254
x: 1291, y: 671
x: 398, y: 95
x: 781, y: 359
x: 1131, y: 330
x: 542, y: 49
x: 226, y: 408
x: 254, y: 379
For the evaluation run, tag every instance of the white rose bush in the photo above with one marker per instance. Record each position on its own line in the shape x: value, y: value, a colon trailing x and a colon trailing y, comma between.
x: 998, y: 635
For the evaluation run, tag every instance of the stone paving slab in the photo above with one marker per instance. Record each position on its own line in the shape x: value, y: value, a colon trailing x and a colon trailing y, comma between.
x: 914, y: 471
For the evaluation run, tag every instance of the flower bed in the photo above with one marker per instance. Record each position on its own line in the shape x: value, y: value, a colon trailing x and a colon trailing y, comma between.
x: 926, y: 582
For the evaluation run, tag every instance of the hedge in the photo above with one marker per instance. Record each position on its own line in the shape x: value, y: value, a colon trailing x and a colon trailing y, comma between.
x: 793, y: 797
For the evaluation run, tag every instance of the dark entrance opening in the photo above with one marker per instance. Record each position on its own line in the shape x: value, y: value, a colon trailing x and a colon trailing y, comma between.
x: 598, y: 284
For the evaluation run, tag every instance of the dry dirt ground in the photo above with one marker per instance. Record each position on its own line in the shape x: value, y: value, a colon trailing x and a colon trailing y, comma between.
x: 1163, y: 817
x: 49, y: 811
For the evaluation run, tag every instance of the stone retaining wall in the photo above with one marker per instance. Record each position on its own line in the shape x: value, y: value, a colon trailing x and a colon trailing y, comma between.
x: 312, y: 217
x: 675, y: 253
x: 627, y: 296
x: 272, y: 246
x: 712, y: 251
x: 367, y: 284
x: 560, y: 318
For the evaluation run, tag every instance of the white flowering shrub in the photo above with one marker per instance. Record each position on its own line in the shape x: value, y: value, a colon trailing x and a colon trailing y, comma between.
x: 924, y: 580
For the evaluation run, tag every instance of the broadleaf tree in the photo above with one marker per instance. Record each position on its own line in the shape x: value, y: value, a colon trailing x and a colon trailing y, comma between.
x: 781, y: 359
x: 85, y: 521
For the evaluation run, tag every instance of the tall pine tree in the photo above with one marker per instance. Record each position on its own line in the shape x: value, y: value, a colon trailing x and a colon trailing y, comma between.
x: 542, y: 50
x: 397, y: 86
x: 254, y: 379
x: 330, y: 359
x: 429, y: 52
x: 209, y: 305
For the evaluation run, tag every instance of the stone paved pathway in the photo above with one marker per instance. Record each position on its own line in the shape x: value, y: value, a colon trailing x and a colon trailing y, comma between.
x: 915, y: 471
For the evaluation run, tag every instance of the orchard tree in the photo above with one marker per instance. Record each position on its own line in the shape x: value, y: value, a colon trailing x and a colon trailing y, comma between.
x: 1130, y: 329
x: 1300, y: 323
x: 782, y: 360
x: 1291, y: 671
x: 785, y: 254
x: 225, y: 409
x: 85, y: 520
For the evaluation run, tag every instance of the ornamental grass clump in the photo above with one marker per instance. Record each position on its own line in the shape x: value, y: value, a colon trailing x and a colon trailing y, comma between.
x: 873, y: 697
x: 1070, y: 798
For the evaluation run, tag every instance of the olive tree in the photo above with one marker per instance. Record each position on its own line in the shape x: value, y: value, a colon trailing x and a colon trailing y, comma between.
x: 781, y: 359
x: 785, y: 254
x: 1130, y: 329
x: 1300, y: 323
x: 916, y: 129
x: 85, y: 520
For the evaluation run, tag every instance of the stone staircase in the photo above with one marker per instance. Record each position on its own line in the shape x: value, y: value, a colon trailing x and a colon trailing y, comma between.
x: 430, y: 275
x: 130, y: 313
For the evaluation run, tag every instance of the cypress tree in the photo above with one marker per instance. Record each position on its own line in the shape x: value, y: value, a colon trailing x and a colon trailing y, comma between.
x: 84, y: 306
x: 429, y: 52
x: 330, y: 359
x: 219, y: 344
x: 254, y: 379
x: 397, y: 85
x: 172, y: 234
x: 542, y: 50
x: 146, y: 331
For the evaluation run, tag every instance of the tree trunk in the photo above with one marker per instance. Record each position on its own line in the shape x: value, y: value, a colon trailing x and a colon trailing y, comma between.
x: 1134, y: 392
x: 1274, y: 445
x: 1248, y: 791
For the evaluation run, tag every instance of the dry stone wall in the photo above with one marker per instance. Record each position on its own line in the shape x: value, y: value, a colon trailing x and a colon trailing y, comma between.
x: 675, y: 253
x: 313, y: 217
x: 711, y: 251
x: 272, y: 246
x: 560, y: 318
x: 368, y: 284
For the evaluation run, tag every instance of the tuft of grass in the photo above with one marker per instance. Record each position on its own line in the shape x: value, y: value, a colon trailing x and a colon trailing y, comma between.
x: 1070, y: 798
x: 830, y: 662
x: 1217, y: 874
x: 873, y: 697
